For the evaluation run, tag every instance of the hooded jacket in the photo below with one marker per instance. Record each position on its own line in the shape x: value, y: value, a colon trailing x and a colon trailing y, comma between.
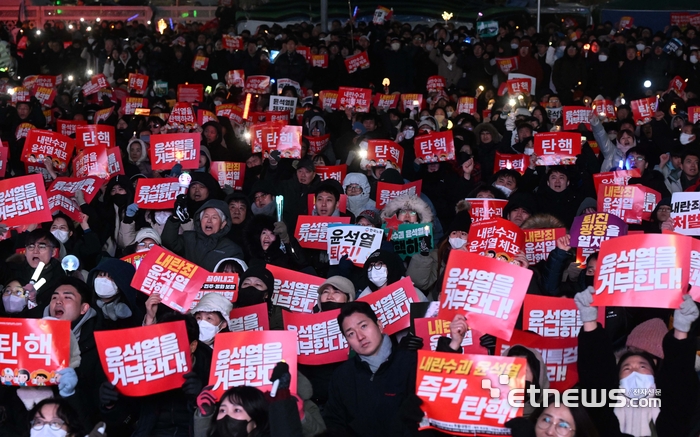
x: 203, y: 250
x: 236, y: 232
x: 537, y: 366
x: 142, y: 163
x: 121, y: 272
x: 613, y: 155
x: 290, y: 258
x: 360, y: 202
x: 408, y: 202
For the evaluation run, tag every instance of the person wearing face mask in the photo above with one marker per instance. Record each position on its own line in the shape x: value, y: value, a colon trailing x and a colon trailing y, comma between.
x: 82, y: 242
x: 603, y: 75
x: 357, y: 190
x: 256, y: 286
x: 383, y: 268
x: 118, y: 304
x: 488, y: 142
x: 14, y: 300
x: 116, y: 232
x: 447, y: 64
x: 613, y: 152
x: 569, y: 73
x: 212, y: 314
x: 638, y: 374
x: 55, y: 418
x: 398, y: 66
x: 405, y: 138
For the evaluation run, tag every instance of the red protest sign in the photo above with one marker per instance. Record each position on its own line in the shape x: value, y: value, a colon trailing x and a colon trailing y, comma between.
x: 289, y: 144
x: 506, y: 65
x: 382, y: 14
x: 225, y: 284
x: 385, y: 101
x: 519, y: 86
x: 435, y: 84
x: 200, y: 63
x: 145, y: 360
x: 96, y: 83
x: 605, y: 109
x: 485, y: 209
x: 626, y: 22
x: 264, y: 136
x: 250, y: 318
x: 22, y: 130
x: 435, y: 147
x: 557, y: 148
x: 204, y: 116
x: 328, y: 99
x: 232, y: 111
x: 68, y: 127
x: 643, y: 109
x: 235, y: 78
x: 102, y: 115
x: 311, y: 231
x: 454, y: 401
x: 94, y: 135
x: 62, y: 191
x: 555, y: 317
x: 411, y: 101
x: 431, y: 329
x: 356, y: 62
x: 257, y: 85
x: 386, y: 192
x: 358, y: 99
x: 496, y: 238
x: 319, y: 61
x: 182, y: 115
x: 296, y: 291
x: 45, y: 96
x: 573, y: 116
x: 33, y: 350
x: 174, y: 278
x: 305, y: 51
x: 648, y: 271
x: 98, y: 161
x: 489, y: 292
x: 23, y: 201
x: 618, y: 177
x: 138, y: 82
x: 4, y: 157
x: 540, y: 242
x: 135, y: 258
x: 169, y: 149
x: 381, y: 152
x: 190, y: 93
x: 560, y: 355
x: 131, y: 104
x: 632, y: 203
x: 317, y: 144
x: 392, y: 305
x: 247, y: 358
x: 694, y: 276
x: 680, y: 19
x: 677, y: 84
x: 466, y: 105
x: 282, y: 116
x: 231, y: 42
x: 337, y: 172
x: 511, y: 161
x: 228, y: 173
x: 694, y: 114
x: 156, y: 193
x: 20, y: 95
x: 319, y: 338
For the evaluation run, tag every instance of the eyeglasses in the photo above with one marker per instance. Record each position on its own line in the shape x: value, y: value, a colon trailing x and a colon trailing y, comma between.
x: 353, y: 188
x: 154, y: 125
x: 56, y: 424
x: 562, y: 429
x: 377, y: 265
x: 41, y: 246
x: 638, y: 158
x: 16, y: 291
x: 147, y: 246
x: 406, y: 211
x: 664, y: 209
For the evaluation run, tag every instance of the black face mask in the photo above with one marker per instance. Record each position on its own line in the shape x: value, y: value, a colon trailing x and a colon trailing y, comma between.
x: 254, y: 171
x: 588, y: 280
x: 395, y: 122
x: 120, y: 200
x: 330, y: 306
x: 248, y: 296
x: 230, y: 427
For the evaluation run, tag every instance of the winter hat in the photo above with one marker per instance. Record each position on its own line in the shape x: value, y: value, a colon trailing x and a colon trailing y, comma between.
x: 359, y: 128
x: 239, y: 261
x: 522, y: 112
x: 259, y: 271
x: 648, y: 337
x: 394, y: 264
x: 461, y: 222
x: 463, y: 157
x: 148, y: 233
x: 206, y: 179
x: 588, y: 202
x: 519, y: 200
x: 307, y: 163
x: 372, y: 216
x: 391, y: 176
x: 261, y: 186
x: 343, y: 284
x: 214, y: 303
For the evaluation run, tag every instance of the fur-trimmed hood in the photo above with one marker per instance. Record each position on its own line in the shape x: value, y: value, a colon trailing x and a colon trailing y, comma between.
x: 411, y: 202
x: 542, y: 221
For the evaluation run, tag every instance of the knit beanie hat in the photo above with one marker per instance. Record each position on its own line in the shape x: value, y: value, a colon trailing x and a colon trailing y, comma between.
x: 214, y: 303
x: 648, y: 337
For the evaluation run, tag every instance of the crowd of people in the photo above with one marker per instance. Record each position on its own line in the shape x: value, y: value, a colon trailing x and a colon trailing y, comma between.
x: 241, y: 231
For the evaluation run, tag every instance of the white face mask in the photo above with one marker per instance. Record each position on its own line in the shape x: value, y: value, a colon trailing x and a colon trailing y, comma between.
x: 612, y: 136
x: 46, y: 431
x: 507, y: 191
x: 162, y: 217
x: 602, y: 58
x: 105, y: 287
x: 637, y: 385
x: 408, y: 133
x: 457, y: 243
x: 378, y: 276
x: 693, y: 59
x: 449, y: 114
x: 514, y: 46
x: 218, y: 102
x: 395, y: 46
x: 91, y: 41
x: 428, y: 47
x: 685, y: 138
x: 14, y: 304
x: 207, y: 331
x: 641, y: 47
x: 60, y: 235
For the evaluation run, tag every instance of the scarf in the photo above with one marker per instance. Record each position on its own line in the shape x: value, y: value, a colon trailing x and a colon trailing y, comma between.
x: 269, y: 209
x: 380, y: 357
x: 114, y: 310
x: 637, y: 421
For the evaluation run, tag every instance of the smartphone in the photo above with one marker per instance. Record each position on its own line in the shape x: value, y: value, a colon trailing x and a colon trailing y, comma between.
x: 273, y: 55
x: 468, y: 40
x: 354, y: 12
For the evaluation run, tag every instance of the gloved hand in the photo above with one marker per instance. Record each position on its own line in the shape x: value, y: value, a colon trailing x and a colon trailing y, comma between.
x: 521, y: 427
x: 108, y: 394
x: 3, y: 229
x: 425, y: 245
x: 684, y: 316
x: 583, y: 300
x: 281, y: 372
x: 80, y: 197
x: 181, y: 209
x: 411, y: 342
x: 131, y: 210
x: 67, y: 382
x: 410, y: 411
x: 274, y: 158
x: 206, y: 401
x: 488, y: 341
x: 99, y: 430
x: 192, y: 385
x: 281, y: 231
x: 176, y: 170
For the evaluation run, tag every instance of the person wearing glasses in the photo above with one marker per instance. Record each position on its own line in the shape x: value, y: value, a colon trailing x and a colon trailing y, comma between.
x: 55, y: 418
x: 155, y: 124
x: 357, y: 189
x: 561, y: 421
x: 14, y: 299
x: 639, y: 157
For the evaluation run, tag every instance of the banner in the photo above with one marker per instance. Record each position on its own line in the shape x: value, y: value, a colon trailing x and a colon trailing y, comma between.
x: 235, y: 78
x: 328, y: 99
x: 145, y: 360
x: 485, y: 209
x: 435, y: 84
x: 407, y: 239
x: 356, y: 62
x: 355, y: 242
x: 230, y: 42
x: 380, y: 152
x: 190, y: 93
x: 337, y: 172
x: 560, y: 355
x: 357, y: 99
x: 232, y: 112
x: 411, y: 101
x: 228, y: 173
x: 33, y: 350
x: 94, y: 135
x: 590, y: 230
x: 182, y: 116
x: 506, y: 65
x: 694, y: 114
x: 512, y: 161
x: 169, y: 149
x: 431, y: 329
x: 257, y: 85
x: 96, y: 83
x: 41, y: 144
x: 392, y: 305
x: 156, y: 193
x: 100, y: 162
x: 685, y: 213
x: 385, y: 102
x: 555, y: 317
x: 540, y: 242
x: 23, y: 201
x: 573, y: 116
x: 632, y: 203
x: 62, y: 191
x: 557, y: 148
x: 248, y: 358
x: 458, y: 400
x: 648, y: 271
x: 319, y: 338
x: 605, y: 109
x: 250, y: 318
x: 296, y: 291
x: 224, y: 284
x: 387, y: 192
x: 69, y: 127
x: 435, y: 147
x: 176, y: 279
x: 317, y: 144
x: 138, y: 83
x: 618, y: 177
x: 496, y: 238
x: 311, y: 231
x: 643, y: 109
x: 489, y: 292
x: 382, y: 14
x: 320, y: 60
x: 518, y: 87
x: 289, y: 144
x: 102, y: 115
x: 466, y: 105
x: 281, y: 103
x: 45, y: 96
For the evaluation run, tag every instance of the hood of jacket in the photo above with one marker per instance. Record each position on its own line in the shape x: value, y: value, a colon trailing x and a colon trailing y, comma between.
x: 121, y: 272
x: 144, y: 151
x: 414, y: 203
x: 542, y: 221
x: 221, y: 206
x: 537, y: 366
x: 251, y: 237
x: 357, y: 203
